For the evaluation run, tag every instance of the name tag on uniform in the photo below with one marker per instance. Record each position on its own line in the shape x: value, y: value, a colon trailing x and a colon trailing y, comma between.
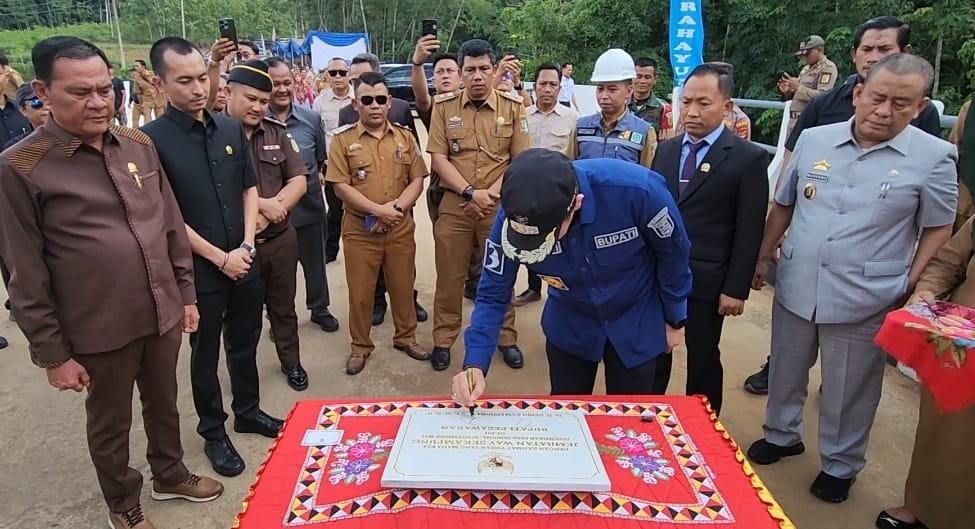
x: 272, y: 147
x: 616, y: 238
x: 455, y: 122
x: 817, y: 177
x: 585, y: 131
x: 554, y: 282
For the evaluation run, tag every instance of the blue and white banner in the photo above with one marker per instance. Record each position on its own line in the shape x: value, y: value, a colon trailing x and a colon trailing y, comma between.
x: 686, y: 38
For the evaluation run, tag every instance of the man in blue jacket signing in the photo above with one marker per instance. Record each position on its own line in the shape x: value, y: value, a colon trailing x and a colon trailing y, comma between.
x: 606, y: 236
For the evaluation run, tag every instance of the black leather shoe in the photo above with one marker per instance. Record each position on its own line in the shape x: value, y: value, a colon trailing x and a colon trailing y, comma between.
x: 224, y: 457
x: 440, y: 358
x: 378, y: 314
x: 763, y: 452
x: 831, y: 489
x: 886, y: 521
x: 421, y: 313
x: 758, y: 382
x: 512, y: 356
x: 470, y: 290
x: 326, y: 321
x: 297, y: 377
x: 3, y: 342
x: 261, y: 424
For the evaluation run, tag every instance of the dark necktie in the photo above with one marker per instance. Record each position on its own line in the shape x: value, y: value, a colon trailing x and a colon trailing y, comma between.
x: 690, y: 165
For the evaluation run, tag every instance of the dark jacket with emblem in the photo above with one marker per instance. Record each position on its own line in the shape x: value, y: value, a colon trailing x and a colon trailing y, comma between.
x: 723, y: 208
x: 100, y: 259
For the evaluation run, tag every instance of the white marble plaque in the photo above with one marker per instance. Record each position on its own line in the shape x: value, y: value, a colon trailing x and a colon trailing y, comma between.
x: 521, y: 450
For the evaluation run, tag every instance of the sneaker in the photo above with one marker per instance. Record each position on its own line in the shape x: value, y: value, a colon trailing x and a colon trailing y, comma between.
x: 197, y: 489
x: 132, y: 519
x: 758, y: 382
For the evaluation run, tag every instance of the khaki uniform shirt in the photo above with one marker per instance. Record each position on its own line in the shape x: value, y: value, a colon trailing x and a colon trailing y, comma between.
x: 479, y: 142
x: 144, y: 89
x: 275, y: 157
x: 552, y: 130
x: 379, y: 168
x: 813, y: 80
x: 95, y: 243
x: 328, y: 105
x: 14, y: 80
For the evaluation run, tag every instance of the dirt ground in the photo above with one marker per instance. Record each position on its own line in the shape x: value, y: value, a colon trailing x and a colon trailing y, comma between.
x: 47, y: 480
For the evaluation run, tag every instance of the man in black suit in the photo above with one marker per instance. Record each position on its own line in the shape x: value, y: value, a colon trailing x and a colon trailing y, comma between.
x: 720, y: 184
x: 401, y: 114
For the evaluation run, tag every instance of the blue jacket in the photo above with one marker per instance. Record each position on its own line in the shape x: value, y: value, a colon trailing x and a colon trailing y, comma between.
x: 621, y: 271
x: 625, y: 142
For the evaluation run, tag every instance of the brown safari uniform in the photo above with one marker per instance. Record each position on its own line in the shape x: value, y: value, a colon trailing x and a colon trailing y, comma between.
x: 147, y: 97
x: 274, y: 156
x: 159, y: 102
x: 480, y: 143
x: 101, y: 270
x: 813, y: 80
x: 380, y: 169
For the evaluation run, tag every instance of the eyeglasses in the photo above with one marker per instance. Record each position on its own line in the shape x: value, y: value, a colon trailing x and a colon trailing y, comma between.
x: 380, y: 100
x: 36, y: 104
x: 338, y: 73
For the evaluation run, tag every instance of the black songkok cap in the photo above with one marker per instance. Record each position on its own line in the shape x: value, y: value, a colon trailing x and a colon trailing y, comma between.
x: 252, y: 73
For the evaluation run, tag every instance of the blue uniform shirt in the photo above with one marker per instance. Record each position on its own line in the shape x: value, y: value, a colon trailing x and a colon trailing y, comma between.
x: 627, y: 141
x: 619, y: 274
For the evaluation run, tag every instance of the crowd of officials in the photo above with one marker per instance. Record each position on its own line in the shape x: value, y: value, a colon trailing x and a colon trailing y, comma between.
x: 648, y: 229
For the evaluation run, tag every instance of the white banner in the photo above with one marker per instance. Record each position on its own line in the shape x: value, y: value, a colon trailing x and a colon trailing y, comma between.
x: 322, y: 52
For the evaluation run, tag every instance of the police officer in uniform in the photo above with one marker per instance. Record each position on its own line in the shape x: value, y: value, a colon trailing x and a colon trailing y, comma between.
x: 614, y: 132
x: 377, y: 170
x: 607, y: 238
x: 474, y: 135
x: 281, y: 182
x: 646, y: 106
x: 866, y: 202
x: 817, y: 76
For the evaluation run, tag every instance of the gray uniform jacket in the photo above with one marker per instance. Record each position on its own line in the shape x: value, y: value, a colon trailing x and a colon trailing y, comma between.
x: 858, y: 214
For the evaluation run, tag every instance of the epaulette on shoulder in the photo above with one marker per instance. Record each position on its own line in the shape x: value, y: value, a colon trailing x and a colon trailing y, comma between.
x: 343, y: 128
x: 512, y: 97
x: 269, y: 119
x: 440, y: 98
x: 25, y: 154
x: 402, y: 126
x: 132, y: 134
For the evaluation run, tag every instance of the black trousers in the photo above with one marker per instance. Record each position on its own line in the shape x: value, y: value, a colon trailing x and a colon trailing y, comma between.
x: 237, y: 310
x: 571, y: 375
x: 311, y: 255
x: 705, y: 375
x: 534, y: 282
x: 333, y: 223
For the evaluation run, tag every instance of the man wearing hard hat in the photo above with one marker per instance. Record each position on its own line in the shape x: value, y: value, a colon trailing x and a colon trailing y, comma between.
x: 614, y: 132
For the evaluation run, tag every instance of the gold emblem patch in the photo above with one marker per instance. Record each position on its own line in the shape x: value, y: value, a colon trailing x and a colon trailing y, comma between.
x: 809, y: 191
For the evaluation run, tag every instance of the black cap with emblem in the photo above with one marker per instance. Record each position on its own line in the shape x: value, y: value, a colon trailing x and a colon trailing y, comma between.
x: 252, y: 73
x: 537, y: 193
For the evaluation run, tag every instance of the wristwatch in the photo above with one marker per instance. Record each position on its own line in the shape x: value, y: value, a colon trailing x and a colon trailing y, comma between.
x: 468, y: 193
x: 250, y: 249
x: 519, y: 87
x: 678, y: 325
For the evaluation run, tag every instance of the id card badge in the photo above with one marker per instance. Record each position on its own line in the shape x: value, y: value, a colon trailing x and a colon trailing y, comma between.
x: 371, y: 221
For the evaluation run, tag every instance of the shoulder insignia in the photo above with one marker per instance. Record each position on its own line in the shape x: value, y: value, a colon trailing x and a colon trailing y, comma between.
x: 343, y: 128
x: 25, y: 155
x: 511, y: 97
x: 269, y: 119
x: 132, y: 134
x: 439, y: 98
x: 402, y: 126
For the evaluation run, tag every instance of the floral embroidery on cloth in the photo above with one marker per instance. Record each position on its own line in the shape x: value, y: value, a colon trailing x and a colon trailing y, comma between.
x: 637, y: 453
x: 355, y: 459
x: 950, y: 328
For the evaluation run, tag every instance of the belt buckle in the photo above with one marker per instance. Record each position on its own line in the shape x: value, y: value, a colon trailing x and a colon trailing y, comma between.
x: 260, y: 241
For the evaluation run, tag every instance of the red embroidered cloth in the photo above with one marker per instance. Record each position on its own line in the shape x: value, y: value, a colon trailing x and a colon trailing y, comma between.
x: 680, y: 470
x: 935, y: 341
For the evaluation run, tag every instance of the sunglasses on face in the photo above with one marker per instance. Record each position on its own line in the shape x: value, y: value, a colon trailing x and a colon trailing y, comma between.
x: 380, y: 100
x: 338, y: 73
x: 36, y: 104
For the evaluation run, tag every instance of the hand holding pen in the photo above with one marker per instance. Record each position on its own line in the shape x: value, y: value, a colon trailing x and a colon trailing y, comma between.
x: 467, y: 386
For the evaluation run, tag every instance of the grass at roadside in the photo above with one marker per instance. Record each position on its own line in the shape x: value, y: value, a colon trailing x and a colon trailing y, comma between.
x: 16, y: 45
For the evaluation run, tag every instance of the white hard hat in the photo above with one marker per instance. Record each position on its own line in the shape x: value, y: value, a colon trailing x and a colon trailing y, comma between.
x: 613, y: 65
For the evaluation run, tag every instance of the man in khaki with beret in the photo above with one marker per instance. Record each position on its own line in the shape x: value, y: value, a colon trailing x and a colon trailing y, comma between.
x: 816, y: 77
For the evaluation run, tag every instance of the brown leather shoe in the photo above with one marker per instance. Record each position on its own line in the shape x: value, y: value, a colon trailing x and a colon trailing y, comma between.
x: 526, y: 297
x: 133, y: 519
x: 355, y: 363
x: 415, y: 350
x: 197, y: 489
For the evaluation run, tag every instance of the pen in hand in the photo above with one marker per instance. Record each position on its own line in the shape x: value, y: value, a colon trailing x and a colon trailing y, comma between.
x: 470, y: 386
